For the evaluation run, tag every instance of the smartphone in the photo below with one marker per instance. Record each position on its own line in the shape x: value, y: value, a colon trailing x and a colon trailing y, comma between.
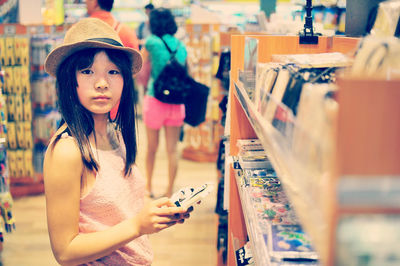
x: 188, y: 196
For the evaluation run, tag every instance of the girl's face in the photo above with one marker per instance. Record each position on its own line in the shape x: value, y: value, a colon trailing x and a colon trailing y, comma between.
x: 100, y: 85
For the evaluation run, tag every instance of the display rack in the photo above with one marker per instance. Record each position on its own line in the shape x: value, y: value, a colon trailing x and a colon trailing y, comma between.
x: 312, y: 203
x: 201, y: 142
x: 23, y: 54
x: 7, y: 222
x: 254, y: 231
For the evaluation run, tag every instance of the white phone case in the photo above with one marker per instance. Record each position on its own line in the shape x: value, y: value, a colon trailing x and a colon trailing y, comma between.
x: 188, y: 196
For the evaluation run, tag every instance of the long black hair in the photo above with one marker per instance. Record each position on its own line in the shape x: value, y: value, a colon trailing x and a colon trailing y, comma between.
x: 80, y: 121
x: 162, y: 22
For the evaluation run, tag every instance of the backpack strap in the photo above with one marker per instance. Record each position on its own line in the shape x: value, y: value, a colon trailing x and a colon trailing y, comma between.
x: 169, y: 50
x: 116, y: 26
x: 173, y: 52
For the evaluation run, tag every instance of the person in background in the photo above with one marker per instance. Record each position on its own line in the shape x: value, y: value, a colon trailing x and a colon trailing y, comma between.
x: 156, y: 114
x: 101, y: 9
x: 96, y: 210
x: 144, y: 29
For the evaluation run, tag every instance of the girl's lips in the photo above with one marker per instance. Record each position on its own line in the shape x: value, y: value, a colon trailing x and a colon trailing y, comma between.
x: 101, y: 98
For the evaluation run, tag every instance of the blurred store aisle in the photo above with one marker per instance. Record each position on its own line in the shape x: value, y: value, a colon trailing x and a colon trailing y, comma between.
x: 192, y: 243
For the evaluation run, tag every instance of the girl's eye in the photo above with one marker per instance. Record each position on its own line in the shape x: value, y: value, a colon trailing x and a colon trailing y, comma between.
x: 114, y: 72
x: 86, y: 71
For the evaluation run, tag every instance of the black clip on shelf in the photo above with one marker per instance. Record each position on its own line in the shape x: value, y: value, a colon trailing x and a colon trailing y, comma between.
x: 308, y: 37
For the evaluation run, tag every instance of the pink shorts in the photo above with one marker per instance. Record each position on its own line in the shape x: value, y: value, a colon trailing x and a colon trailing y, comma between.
x: 157, y: 114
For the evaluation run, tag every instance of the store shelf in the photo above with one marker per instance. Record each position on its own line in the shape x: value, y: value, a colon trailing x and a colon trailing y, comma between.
x: 26, y: 180
x: 302, y: 185
x: 24, y: 186
x: 307, y: 178
x: 21, y: 190
x: 19, y: 29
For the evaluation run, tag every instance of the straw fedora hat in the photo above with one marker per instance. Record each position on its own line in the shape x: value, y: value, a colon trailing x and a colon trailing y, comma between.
x: 89, y: 33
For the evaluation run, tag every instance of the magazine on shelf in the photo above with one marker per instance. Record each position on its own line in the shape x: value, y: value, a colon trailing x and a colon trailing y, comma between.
x: 267, y: 87
x: 266, y: 76
x: 289, y: 242
x: 254, y: 159
x: 282, y: 81
x: 249, y: 144
x: 244, y: 255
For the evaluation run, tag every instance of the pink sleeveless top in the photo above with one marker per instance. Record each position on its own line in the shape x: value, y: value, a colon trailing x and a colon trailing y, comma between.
x: 113, y: 199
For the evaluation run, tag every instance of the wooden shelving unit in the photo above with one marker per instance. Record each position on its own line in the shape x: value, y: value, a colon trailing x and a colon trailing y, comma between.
x: 314, y: 203
x: 367, y: 157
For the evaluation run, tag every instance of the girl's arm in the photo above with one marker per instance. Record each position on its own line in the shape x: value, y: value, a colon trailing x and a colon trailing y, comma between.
x: 63, y: 170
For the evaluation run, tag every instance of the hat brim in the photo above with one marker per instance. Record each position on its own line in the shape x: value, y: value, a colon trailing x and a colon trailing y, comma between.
x: 59, y: 54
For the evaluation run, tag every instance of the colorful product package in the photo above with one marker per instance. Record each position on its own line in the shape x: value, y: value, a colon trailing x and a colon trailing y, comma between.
x: 290, y: 242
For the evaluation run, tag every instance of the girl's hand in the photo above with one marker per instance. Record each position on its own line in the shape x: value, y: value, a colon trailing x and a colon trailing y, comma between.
x: 158, y: 215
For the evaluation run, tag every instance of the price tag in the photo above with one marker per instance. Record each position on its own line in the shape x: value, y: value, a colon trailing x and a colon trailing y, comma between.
x: 10, y: 30
x: 52, y: 29
x: 196, y: 28
x: 32, y: 30
x: 40, y: 29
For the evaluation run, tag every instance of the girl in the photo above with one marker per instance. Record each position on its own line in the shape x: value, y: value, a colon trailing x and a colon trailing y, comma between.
x: 96, y: 212
x: 156, y: 114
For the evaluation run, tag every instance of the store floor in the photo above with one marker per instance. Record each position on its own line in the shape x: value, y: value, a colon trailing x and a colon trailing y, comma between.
x: 192, y: 243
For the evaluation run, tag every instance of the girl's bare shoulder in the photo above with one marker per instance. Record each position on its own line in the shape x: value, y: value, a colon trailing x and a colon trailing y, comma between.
x: 63, y: 148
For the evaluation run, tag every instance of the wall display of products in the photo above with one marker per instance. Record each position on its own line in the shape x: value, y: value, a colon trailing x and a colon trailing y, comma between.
x: 202, y: 43
x: 170, y: 3
x: 7, y: 223
x: 9, y: 11
x: 289, y: 17
x: 23, y: 50
x: 74, y: 10
x: 331, y: 18
x: 53, y: 12
x: 303, y: 162
x: 17, y: 89
x: 340, y: 3
x: 233, y: 13
x: 130, y: 12
x: 127, y: 11
x: 46, y: 118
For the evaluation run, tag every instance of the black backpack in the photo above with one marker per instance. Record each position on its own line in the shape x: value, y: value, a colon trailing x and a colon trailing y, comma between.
x: 172, y: 83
